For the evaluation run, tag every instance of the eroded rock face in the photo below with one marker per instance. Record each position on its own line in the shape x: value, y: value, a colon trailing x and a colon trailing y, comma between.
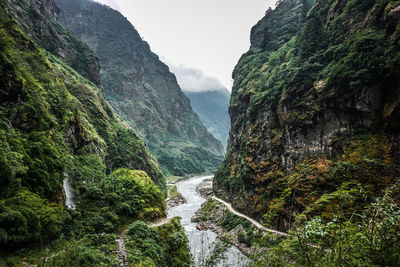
x: 312, y: 109
x: 142, y: 90
x: 205, y: 188
x: 52, y: 37
x: 81, y: 117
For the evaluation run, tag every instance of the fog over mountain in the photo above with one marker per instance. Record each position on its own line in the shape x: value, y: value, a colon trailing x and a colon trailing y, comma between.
x: 208, y: 98
x: 206, y: 34
x: 194, y: 80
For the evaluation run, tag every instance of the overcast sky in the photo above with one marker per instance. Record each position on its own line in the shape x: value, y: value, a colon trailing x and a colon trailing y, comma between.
x: 207, y: 35
x: 194, y: 80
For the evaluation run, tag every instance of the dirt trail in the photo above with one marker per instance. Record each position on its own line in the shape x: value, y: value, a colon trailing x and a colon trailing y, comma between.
x: 254, y: 222
x: 121, y: 252
x: 160, y: 223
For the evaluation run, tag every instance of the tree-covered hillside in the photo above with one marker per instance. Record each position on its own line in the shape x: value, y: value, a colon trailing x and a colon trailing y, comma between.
x: 315, y: 132
x: 54, y: 123
x: 142, y: 90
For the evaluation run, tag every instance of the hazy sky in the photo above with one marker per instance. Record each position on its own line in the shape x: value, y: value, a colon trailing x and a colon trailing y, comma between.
x: 208, y: 35
x: 194, y: 80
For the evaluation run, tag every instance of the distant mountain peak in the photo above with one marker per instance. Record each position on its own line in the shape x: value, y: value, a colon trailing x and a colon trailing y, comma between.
x: 142, y: 90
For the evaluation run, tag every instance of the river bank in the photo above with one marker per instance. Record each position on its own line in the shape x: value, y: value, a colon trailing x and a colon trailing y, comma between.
x: 246, y: 234
x: 174, y: 197
x: 214, y: 216
x: 203, y: 244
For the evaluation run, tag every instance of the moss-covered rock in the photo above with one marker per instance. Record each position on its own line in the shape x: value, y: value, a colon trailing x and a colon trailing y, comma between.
x: 55, y: 122
x: 142, y: 90
x: 314, y: 110
x: 164, y: 245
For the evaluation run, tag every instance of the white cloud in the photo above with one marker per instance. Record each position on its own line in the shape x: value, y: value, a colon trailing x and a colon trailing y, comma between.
x: 210, y: 35
x: 194, y: 80
x: 207, y: 34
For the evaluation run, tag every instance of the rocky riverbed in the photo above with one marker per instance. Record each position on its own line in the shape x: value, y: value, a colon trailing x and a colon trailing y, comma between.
x: 179, y: 200
x: 203, y: 243
x: 205, y: 188
x: 175, y: 198
x: 210, y: 216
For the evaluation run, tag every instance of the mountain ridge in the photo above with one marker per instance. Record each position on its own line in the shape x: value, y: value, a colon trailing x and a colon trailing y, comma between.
x: 212, y: 108
x: 300, y: 101
x: 55, y: 123
x: 142, y: 89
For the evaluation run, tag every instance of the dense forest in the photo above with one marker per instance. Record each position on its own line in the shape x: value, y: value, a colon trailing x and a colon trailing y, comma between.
x: 55, y: 123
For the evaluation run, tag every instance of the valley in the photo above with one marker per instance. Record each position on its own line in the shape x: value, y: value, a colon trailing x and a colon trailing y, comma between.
x: 203, y: 244
x: 108, y: 158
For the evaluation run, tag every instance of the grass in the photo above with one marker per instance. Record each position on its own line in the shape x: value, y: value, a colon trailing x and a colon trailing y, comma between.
x: 173, y: 192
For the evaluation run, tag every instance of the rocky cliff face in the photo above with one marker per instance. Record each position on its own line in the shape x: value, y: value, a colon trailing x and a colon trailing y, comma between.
x: 212, y: 108
x: 142, y: 90
x: 314, y: 110
x: 92, y: 119
x: 50, y: 35
x: 55, y: 122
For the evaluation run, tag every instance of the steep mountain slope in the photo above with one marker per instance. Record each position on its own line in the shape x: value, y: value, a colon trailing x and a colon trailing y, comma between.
x: 212, y: 108
x: 56, y: 40
x: 91, y: 122
x: 315, y: 112
x: 56, y: 123
x: 142, y: 90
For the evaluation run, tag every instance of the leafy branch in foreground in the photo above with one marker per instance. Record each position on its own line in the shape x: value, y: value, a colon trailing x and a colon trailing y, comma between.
x: 369, y: 238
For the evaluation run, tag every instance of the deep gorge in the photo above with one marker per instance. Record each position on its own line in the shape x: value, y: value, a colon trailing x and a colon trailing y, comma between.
x: 96, y: 136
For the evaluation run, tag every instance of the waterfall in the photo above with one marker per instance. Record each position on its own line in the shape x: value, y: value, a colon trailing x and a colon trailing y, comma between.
x: 69, y: 197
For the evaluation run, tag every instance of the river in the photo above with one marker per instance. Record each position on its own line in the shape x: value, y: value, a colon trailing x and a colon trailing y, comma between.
x: 201, y: 242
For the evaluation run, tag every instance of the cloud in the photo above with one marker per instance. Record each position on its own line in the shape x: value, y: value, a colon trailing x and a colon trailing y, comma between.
x: 194, y: 80
x: 111, y: 3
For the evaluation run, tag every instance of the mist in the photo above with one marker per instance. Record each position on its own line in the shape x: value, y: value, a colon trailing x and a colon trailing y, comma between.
x: 194, y: 80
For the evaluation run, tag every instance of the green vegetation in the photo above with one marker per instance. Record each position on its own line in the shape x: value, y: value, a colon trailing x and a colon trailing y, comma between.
x: 53, y: 123
x: 182, y: 158
x: 173, y: 192
x: 367, y: 238
x: 142, y: 90
x: 212, y: 108
x: 314, y: 137
x: 218, y: 254
x: 119, y: 198
x: 255, y: 239
x: 161, y: 246
x: 208, y: 208
x: 91, y: 250
x: 231, y: 221
x: 293, y: 84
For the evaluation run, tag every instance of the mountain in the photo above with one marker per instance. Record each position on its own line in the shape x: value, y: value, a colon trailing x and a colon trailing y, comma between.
x: 315, y: 111
x: 56, y: 124
x: 212, y: 108
x: 142, y: 90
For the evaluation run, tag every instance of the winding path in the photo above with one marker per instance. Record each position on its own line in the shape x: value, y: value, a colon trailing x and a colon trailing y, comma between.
x: 257, y: 224
x: 254, y: 222
x: 160, y: 223
x: 121, y: 251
